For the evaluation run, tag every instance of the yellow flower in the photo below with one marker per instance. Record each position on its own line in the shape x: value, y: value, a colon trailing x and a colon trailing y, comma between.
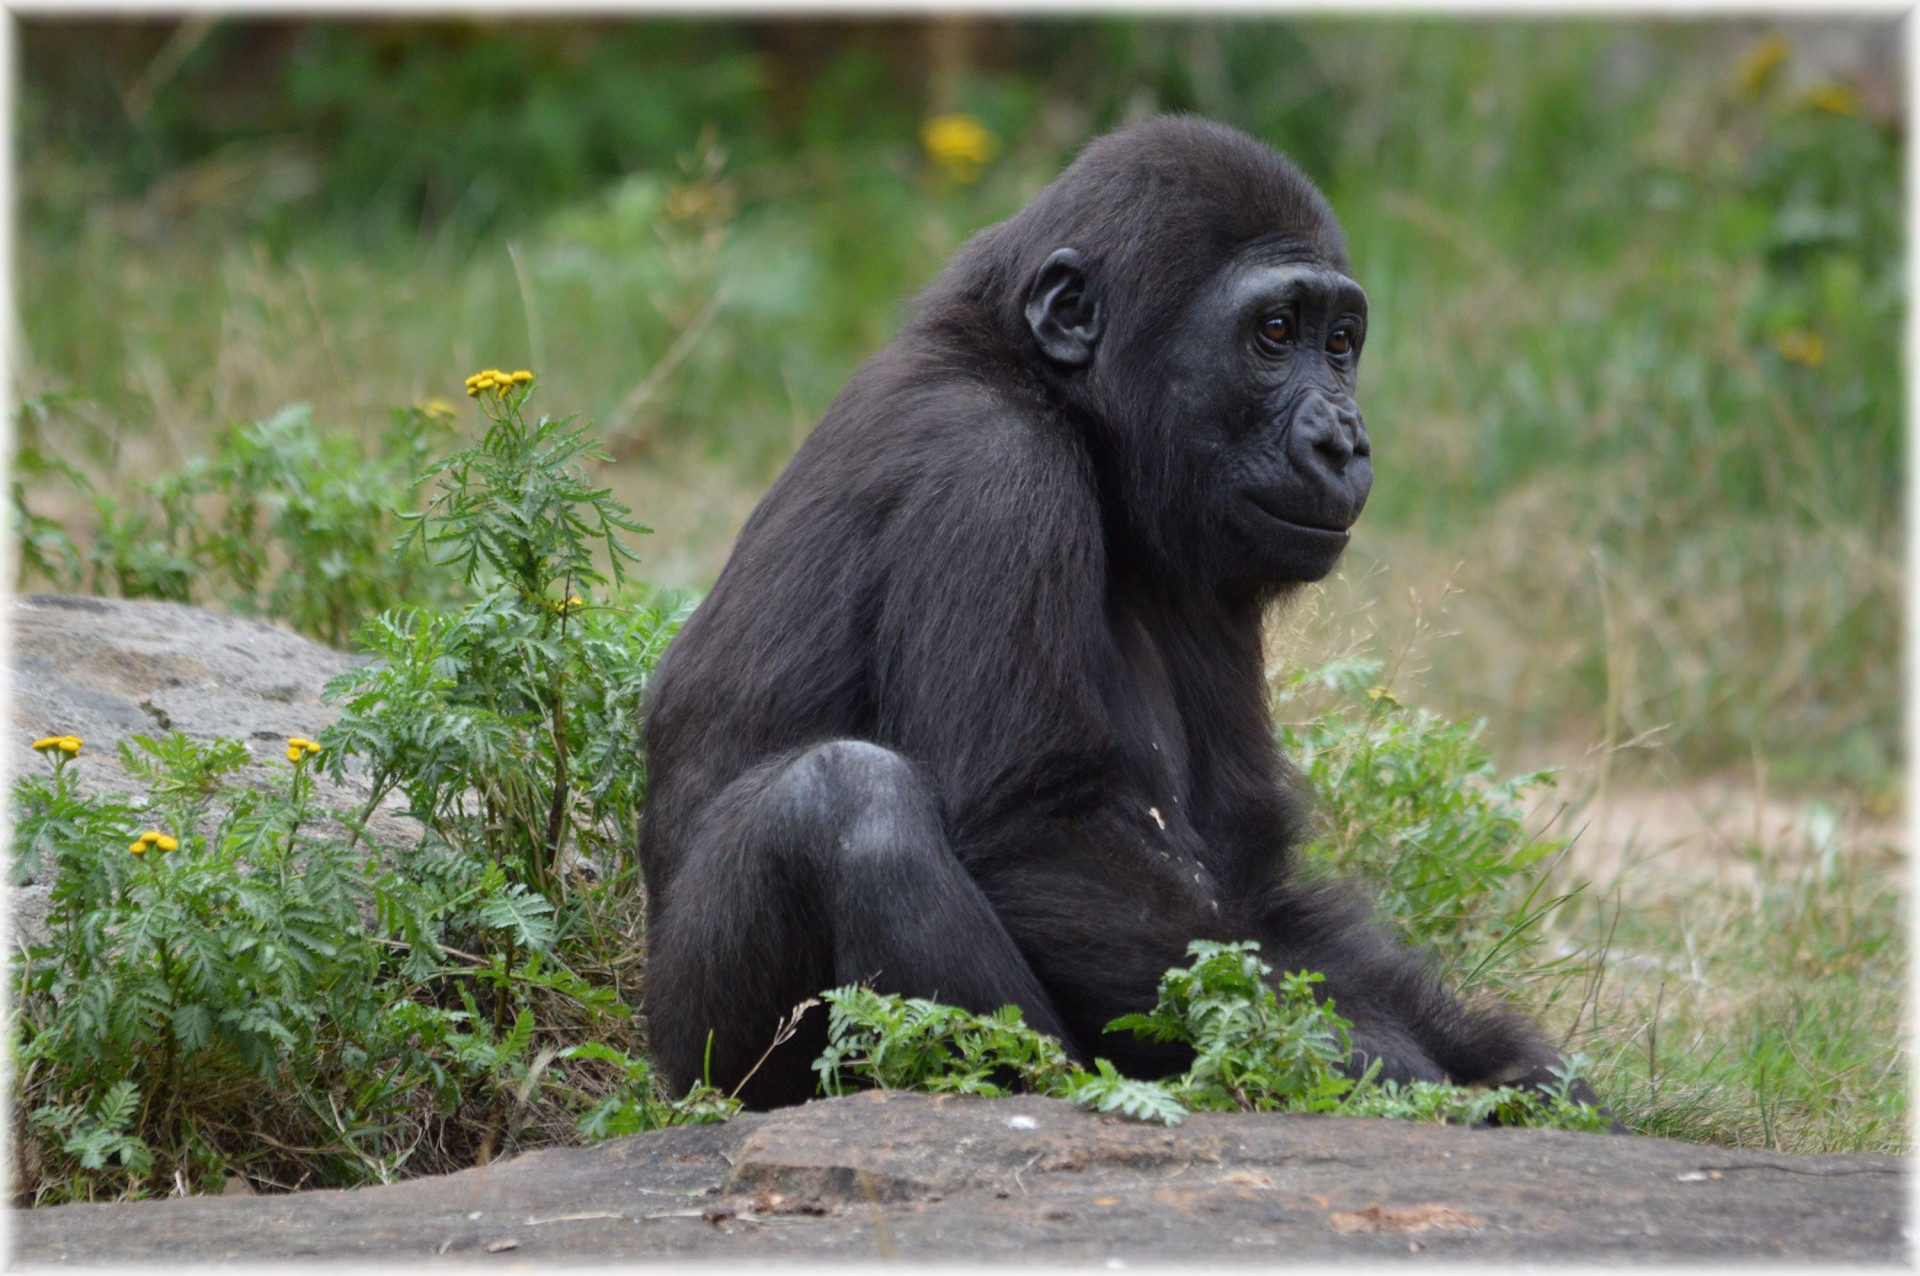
x: 438, y: 408
x: 69, y: 744
x: 1802, y: 347
x: 960, y: 144
x: 47, y: 742
x: 1834, y: 98
x: 138, y: 848
x: 149, y: 837
x: 1762, y: 61
x: 293, y: 753
x: 166, y: 843
x: 494, y: 379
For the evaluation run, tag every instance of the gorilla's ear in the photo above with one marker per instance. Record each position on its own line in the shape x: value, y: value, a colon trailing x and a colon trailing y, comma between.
x: 1062, y: 311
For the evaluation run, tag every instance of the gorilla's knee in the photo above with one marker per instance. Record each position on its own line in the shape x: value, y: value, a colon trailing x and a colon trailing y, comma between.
x: 860, y: 762
x: 868, y: 800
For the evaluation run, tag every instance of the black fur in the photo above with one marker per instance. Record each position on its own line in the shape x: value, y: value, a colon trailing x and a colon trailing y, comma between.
x: 976, y: 711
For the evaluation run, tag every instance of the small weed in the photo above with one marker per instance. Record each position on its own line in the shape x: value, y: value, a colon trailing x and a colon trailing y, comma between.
x: 512, y: 724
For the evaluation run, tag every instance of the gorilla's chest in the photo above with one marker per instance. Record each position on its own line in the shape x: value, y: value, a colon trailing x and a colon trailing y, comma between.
x: 1150, y: 729
x: 1149, y: 818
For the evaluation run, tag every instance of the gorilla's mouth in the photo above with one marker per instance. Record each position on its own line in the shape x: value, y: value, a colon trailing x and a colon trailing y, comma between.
x: 1265, y: 502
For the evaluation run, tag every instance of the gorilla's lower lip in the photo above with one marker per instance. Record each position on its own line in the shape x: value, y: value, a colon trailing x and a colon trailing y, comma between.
x: 1333, y: 535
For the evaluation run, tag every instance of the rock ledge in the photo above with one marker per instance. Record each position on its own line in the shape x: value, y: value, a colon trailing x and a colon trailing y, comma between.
x: 897, y: 1176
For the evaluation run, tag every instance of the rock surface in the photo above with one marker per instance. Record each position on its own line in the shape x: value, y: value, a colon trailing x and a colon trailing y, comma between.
x: 911, y: 1177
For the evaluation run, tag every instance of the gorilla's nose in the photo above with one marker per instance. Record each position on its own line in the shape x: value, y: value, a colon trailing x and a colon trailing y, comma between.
x: 1328, y: 436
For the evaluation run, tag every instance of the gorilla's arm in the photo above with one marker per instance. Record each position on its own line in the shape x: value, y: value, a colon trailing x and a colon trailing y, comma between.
x: 989, y: 639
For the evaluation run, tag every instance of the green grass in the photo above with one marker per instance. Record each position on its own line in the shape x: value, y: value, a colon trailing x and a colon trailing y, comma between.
x: 1634, y: 383
x: 1760, y: 1003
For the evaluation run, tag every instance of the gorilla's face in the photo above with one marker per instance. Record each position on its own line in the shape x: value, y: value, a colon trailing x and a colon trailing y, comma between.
x: 1242, y: 456
x: 1263, y: 369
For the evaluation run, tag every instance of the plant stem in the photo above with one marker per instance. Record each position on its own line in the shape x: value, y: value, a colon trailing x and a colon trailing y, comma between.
x: 557, y: 810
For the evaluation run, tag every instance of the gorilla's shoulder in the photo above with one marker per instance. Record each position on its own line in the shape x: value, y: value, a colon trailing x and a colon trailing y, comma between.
x: 910, y: 431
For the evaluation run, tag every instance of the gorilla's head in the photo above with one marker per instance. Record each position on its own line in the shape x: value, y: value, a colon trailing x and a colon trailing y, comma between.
x: 1184, y: 288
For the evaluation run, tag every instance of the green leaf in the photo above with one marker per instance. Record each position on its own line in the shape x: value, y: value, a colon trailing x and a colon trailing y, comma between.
x: 519, y: 910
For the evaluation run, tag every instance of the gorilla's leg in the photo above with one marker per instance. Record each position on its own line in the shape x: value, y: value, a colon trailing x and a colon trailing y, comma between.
x: 823, y: 868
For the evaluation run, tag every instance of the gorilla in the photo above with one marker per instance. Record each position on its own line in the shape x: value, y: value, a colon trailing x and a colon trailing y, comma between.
x: 976, y: 710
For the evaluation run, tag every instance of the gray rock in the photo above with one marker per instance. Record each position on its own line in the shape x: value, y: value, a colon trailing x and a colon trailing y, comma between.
x: 913, y: 1177
x: 109, y: 669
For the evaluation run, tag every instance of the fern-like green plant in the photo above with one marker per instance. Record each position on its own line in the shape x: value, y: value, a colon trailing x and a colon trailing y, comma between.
x: 97, y: 1134
x: 517, y: 508
x: 900, y: 1043
x: 1259, y: 1045
x: 1105, y: 1090
x: 1256, y: 1046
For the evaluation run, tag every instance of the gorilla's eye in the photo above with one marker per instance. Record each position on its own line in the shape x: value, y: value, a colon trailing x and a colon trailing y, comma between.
x: 1340, y: 341
x: 1278, y: 330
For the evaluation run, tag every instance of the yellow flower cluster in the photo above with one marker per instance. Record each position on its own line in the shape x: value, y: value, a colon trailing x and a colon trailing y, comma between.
x: 299, y: 747
x: 155, y: 839
x: 572, y: 604
x: 67, y: 744
x: 496, y: 380
x: 438, y: 409
x: 960, y: 144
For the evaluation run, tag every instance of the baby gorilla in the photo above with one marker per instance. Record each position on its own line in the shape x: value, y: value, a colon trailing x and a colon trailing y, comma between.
x: 977, y: 709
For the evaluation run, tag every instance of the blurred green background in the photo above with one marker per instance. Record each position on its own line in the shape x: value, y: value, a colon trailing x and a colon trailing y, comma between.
x: 1634, y: 374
